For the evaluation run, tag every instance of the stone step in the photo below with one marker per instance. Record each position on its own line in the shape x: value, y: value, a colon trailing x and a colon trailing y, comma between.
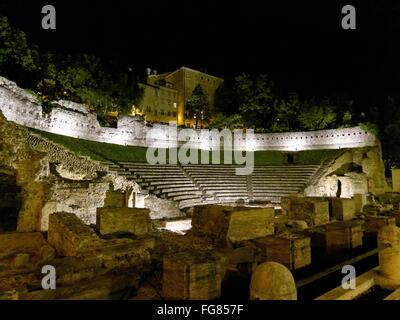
x: 184, y: 193
x: 155, y: 170
x: 186, y: 197
x: 274, y: 179
x: 178, y: 189
x: 278, y: 185
x: 169, y: 179
x: 226, y: 187
x: 161, y: 174
x: 230, y: 178
x: 169, y: 183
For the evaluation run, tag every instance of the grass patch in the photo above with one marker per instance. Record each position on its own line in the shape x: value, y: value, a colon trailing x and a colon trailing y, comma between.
x: 314, y: 156
x: 113, y: 152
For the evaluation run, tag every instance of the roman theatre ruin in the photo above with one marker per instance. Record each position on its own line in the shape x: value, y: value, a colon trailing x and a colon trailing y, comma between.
x: 115, y: 226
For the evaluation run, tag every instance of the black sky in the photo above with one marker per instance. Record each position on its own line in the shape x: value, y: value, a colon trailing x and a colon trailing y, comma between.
x: 300, y: 43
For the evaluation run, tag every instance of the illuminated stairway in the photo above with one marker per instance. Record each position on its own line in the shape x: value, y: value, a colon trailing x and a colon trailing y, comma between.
x: 191, y: 185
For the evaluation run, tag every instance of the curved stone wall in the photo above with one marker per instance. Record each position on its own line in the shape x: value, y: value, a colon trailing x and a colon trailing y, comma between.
x: 71, y: 119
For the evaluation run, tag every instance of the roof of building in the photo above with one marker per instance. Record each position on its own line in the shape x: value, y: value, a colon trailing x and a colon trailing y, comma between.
x: 189, y: 69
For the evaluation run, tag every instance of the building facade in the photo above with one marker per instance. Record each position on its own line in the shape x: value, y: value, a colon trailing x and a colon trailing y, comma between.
x: 166, y: 95
x: 159, y: 102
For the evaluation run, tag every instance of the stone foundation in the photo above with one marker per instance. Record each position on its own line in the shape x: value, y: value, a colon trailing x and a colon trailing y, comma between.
x: 119, y: 220
x: 343, y: 236
x: 233, y: 224
x: 193, y: 276
x: 343, y: 209
x: 313, y: 211
x: 291, y: 250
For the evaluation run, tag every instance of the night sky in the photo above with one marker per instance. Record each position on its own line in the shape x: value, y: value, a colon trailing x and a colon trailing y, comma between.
x: 299, y: 43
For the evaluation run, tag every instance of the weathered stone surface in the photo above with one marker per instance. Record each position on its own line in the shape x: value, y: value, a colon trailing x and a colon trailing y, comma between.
x: 374, y: 223
x: 313, y: 211
x: 245, y: 254
x: 396, y: 180
x: 23, y: 249
x: 291, y: 250
x: 114, y: 199
x: 193, y: 275
x: 9, y: 295
x: 272, y: 281
x: 317, y: 236
x: 30, y: 157
x: 360, y: 200
x: 114, y: 219
x: 233, y: 224
x: 342, y: 173
x: 396, y: 215
x: 389, y: 253
x: 102, y: 287
x: 69, y: 235
x: 343, y: 209
x: 343, y: 235
x: 81, y: 198
x: 162, y: 208
x: 286, y: 201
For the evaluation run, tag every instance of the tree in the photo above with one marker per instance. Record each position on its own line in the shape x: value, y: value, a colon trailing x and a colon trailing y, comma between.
x: 317, y: 116
x: 17, y: 60
x: 226, y: 100
x: 220, y: 122
x: 256, y: 100
x: 286, y: 114
x: 197, y: 105
x: 86, y: 79
x: 387, y: 117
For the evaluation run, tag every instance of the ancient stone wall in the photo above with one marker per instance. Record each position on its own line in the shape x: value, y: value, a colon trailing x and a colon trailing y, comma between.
x: 48, y: 179
x: 72, y: 119
x: 355, y: 171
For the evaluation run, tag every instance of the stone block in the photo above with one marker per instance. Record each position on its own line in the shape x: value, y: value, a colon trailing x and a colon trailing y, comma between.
x: 396, y: 180
x: 396, y: 215
x: 360, y: 200
x: 69, y: 235
x: 291, y: 250
x: 194, y: 275
x: 286, y: 201
x: 72, y: 238
x: 389, y: 257
x: 246, y: 254
x: 374, y: 223
x: 343, y: 235
x: 114, y: 199
x: 313, y: 211
x: 24, y: 249
x: 372, y: 226
x: 343, y: 209
x: 317, y: 236
x: 233, y: 224
x: 131, y: 220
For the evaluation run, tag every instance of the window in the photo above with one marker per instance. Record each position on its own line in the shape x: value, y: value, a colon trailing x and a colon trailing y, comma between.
x: 169, y: 113
x: 174, y: 113
x: 162, y: 112
x: 155, y: 112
